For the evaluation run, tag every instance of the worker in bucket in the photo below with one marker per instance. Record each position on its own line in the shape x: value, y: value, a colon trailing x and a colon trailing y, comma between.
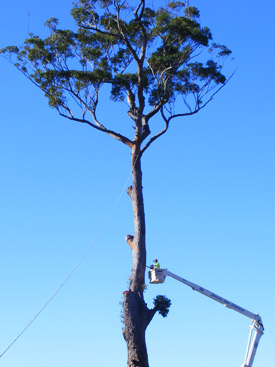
x: 156, y: 265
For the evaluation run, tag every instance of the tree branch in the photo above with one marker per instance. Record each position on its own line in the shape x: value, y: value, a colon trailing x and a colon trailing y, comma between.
x: 113, y: 134
x: 150, y: 314
x: 198, y: 108
x: 92, y: 28
x: 125, y: 39
x: 142, y: 3
x: 167, y: 120
x: 158, y: 134
x: 155, y: 110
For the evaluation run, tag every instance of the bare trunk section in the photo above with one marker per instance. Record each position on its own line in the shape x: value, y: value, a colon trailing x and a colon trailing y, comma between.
x: 136, y: 313
x: 139, y: 250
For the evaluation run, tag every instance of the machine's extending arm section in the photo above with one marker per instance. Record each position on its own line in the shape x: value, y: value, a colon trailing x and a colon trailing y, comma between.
x: 256, y: 328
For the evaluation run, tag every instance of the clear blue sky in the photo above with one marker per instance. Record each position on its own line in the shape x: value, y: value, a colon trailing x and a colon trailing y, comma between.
x: 209, y: 188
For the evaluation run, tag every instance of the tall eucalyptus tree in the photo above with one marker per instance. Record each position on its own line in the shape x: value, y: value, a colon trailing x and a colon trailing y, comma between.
x: 151, y: 57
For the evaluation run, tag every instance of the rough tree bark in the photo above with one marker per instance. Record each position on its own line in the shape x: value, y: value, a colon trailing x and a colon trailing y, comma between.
x: 137, y: 316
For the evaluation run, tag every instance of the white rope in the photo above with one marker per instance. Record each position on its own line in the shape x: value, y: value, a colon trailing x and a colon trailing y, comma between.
x: 74, y: 269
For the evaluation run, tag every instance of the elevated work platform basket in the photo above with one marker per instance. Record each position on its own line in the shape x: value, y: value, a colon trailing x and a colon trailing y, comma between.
x: 157, y: 276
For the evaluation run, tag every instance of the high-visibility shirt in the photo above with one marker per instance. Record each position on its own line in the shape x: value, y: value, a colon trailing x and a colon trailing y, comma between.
x: 156, y: 265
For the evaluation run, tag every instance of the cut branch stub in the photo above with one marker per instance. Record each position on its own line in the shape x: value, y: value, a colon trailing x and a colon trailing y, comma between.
x: 129, y: 191
x: 130, y: 240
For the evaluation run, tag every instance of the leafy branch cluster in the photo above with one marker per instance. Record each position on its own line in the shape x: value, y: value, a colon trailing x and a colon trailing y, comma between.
x: 147, y: 57
x: 162, y: 305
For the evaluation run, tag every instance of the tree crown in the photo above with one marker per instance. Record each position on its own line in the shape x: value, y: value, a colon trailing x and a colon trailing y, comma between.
x: 148, y: 57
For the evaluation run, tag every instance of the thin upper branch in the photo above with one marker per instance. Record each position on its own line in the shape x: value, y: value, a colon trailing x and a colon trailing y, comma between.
x: 96, y: 29
x: 125, y: 38
x: 141, y: 4
x: 155, y: 110
x: 167, y: 121
x: 190, y: 113
x: 113, y: 134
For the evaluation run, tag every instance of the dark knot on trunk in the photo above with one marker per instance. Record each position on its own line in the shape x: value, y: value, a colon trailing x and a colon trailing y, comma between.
x: 130, y: 191
x: 130, y: 240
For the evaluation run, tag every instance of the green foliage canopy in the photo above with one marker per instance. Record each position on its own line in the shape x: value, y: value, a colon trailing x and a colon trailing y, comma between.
x: 148, y: 57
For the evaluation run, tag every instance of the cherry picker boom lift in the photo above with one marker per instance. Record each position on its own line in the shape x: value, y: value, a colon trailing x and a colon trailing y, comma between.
x: 158, y: 276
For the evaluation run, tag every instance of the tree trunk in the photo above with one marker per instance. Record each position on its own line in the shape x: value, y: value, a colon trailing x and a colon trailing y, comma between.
x: 136, y: 314
x: 135, y: 311
x: 139, y: 249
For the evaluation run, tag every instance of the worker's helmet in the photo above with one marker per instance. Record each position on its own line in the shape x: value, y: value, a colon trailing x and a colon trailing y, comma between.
x: 156, y: 260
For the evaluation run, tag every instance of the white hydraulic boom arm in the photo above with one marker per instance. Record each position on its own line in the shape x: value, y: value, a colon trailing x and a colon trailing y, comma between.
x: 256, y: 327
